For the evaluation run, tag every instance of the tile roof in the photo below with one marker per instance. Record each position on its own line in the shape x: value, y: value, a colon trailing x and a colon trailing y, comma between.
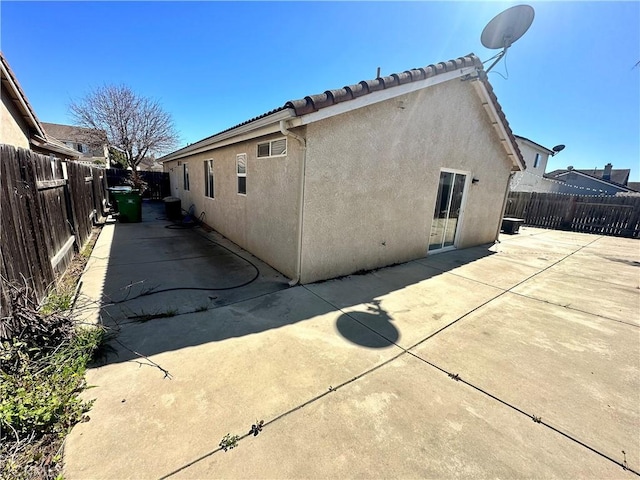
x: 66, y: 132
x: 313, y: 103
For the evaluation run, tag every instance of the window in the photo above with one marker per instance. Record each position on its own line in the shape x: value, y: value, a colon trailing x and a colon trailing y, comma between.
x: 275, y: 148
x: 536, y: 162
x: 241, y: 168
x: 185, y: 175
x: 208, y: 179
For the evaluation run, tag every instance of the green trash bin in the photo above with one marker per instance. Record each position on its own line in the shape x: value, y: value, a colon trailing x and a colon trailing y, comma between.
x: 129, y: 205
x: 112, y: 194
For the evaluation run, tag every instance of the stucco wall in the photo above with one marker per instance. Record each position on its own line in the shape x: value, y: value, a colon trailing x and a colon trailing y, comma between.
x: 532, y: 179
x: 265, y: 220
x: 13, y: 130
x: 372, y: 178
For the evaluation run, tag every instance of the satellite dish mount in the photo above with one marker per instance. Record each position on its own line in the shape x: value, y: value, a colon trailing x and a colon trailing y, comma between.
x: 505, y: 29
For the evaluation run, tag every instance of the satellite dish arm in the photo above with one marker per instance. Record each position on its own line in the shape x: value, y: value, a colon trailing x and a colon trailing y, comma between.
x: 498, y: 58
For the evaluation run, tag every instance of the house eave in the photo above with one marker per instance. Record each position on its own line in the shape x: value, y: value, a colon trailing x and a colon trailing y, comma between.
x: 382, y: 95
x: 507, y: 141
x: 17, y: 96
x: 44, y: 144
x: 534, y: 144
x: 259, y: 127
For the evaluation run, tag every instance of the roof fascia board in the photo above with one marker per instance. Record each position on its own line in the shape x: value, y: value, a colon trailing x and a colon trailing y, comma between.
x: 591, y: 177
x: 534, y: 144
x: 23, y: 104
x: 498, y: 125
x: 262, y: 126
x: 45, y: 144
x: 383, y: 95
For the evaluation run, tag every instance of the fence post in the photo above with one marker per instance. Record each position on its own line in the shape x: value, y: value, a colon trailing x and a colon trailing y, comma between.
x: 633, y: 229
x: 569, y: 214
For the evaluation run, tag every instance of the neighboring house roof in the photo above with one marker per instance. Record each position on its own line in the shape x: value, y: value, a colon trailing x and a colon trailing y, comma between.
x: 70, y: 132
x: 635, y: 186
x: 559, y: 174
x: 38, y: 136
x: 352, y: 93
x: 149, y: 164
x: 544, y: 149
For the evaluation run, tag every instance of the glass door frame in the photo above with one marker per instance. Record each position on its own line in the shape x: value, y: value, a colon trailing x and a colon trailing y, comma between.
x: 463, y: 204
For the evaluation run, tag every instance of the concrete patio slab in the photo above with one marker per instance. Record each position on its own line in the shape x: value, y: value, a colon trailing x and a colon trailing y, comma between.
x: 405, y: 315
x: 578, y: 372
x: 494, y: 270
x: 405, y: 420
x: 142, y: 270
x: 599, y: 268
x: 264, y: 351
x: 584, y: 294
x: 563, y: 237
x: 229, y: 366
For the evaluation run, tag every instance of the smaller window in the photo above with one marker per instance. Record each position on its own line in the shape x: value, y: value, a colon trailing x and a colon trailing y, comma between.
x: 185, y: 175
x: 536, y: 162
x: 241, y: 169
x: 275, y: 148
x: 208, y: 179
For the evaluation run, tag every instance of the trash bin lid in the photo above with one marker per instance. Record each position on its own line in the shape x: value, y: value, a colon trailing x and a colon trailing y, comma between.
x: 122, y: 188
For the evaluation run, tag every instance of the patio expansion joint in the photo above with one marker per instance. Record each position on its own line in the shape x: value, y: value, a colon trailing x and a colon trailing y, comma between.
x: 536, y: 419
x: 577, y: 310
x: 407, y: 351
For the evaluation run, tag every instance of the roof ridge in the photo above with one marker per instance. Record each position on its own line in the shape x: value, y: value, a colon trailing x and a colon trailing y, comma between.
x: 313, y: 103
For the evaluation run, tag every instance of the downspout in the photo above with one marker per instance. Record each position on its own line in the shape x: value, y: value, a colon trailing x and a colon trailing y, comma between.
x: 504, y: 206
x: 303, y: 142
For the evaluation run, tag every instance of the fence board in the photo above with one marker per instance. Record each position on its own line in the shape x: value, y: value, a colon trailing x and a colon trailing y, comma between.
x: 614, y: 215
x: 158, y: 182
x: 43, y: 214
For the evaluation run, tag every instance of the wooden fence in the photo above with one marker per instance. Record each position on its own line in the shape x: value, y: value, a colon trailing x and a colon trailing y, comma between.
x: 157, y: 182
x: 617, y: 216
x: 47, y: 209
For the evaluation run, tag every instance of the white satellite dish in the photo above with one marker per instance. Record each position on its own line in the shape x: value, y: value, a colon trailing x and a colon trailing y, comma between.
x: 506, y: 28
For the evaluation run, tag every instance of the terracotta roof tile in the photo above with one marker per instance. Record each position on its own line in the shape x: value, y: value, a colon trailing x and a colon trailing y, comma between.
x: 349, y: 92
x: 313, y: 103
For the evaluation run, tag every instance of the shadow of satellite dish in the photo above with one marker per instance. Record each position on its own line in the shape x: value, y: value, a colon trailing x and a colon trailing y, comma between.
x: 380, y: 332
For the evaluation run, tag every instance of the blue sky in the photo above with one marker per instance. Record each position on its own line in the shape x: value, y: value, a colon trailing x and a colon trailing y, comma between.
x: 571, y: 78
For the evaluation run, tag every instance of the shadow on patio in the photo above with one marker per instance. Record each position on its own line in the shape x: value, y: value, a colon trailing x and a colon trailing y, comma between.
x: 166, y: 288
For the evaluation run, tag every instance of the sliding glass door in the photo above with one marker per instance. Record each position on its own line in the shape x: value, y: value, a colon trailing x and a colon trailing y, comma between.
x: 446, y: 215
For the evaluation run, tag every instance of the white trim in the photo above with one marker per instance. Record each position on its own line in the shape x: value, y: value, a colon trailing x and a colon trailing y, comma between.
x: 497, y: 124
x: 257, y: 128
x: 381, y: 95
x: 264, y: 126
x: 209, y: 166
x: 23, y: 103
x: 241, y: 175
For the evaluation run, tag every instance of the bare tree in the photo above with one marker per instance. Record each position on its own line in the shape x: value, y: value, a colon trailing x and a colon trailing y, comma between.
x: 135, y: 126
